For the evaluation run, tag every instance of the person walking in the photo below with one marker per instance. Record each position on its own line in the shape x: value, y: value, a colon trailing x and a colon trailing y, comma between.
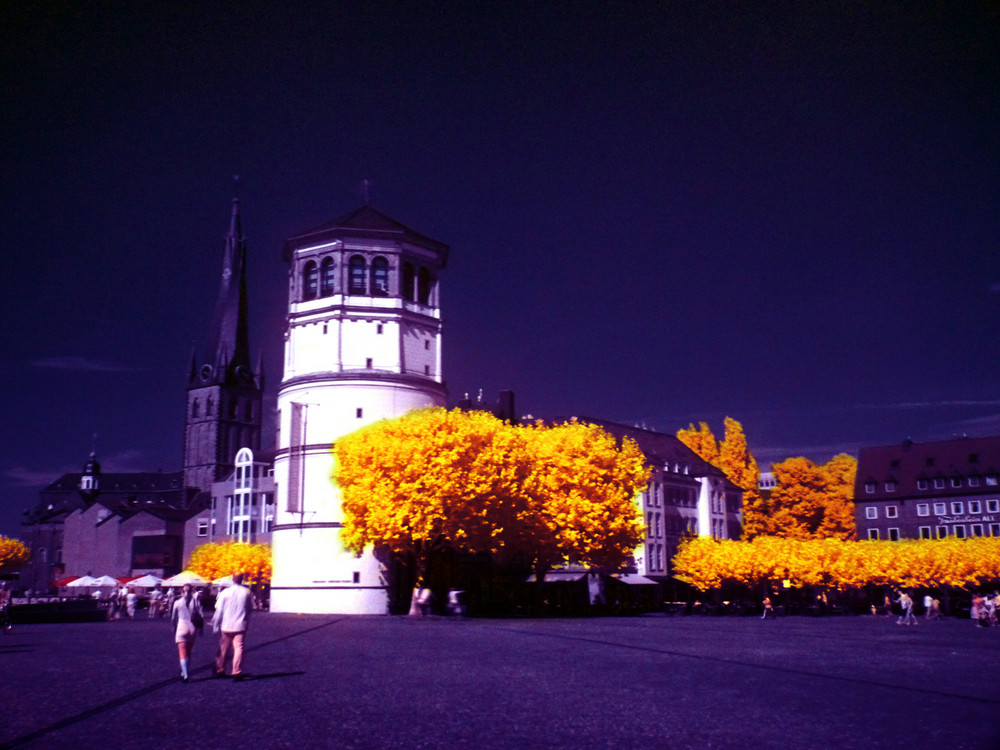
x: 188, y: 621
x: 906, y: 604
x: 768, y: 608
x: 232, y: 614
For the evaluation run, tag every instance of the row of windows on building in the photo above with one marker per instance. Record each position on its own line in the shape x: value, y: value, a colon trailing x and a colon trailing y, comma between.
x: 959, y: 531
x: 657, y: 495
x: 955, y: 508
x: 246, y: 515
x: 657, y: 524
x: 938, y: 483
x: 320, y: 279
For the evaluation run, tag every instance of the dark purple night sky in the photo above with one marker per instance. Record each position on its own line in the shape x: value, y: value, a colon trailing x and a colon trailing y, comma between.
x: 658, y: 213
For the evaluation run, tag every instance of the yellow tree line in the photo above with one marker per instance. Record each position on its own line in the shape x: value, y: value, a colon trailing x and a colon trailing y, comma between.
x: 834, y: 563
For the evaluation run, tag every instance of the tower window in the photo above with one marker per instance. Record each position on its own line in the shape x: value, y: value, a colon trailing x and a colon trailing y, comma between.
x: 326, y: 277
x: 368, y: 363
x: 378, y: 328
x: 408, y: 277
x: 310, y: 277
x: 424, y: 286
x: 356, y: 278
x: 380, y: 277
x: 359, y: 412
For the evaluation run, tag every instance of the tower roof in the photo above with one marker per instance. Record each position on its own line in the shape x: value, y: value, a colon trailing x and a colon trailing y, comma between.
x: 364, y: 223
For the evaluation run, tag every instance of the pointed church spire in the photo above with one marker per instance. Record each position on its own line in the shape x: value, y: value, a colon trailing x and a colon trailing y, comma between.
x: 227, y: 347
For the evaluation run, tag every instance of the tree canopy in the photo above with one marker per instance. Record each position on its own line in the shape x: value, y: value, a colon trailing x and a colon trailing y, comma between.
x: 810, y: 501
x: 837, y: 563
x: 733, y: 456
x: 13, y: 554
x: 217, y: 559
x: 466, y: 480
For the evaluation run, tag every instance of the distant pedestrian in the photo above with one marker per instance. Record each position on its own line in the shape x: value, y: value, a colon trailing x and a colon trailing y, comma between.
x: 934, y: 612
x: 131, y: 600
x: 928, y: 602
x: 906, y: 604
x: 188, y: 623
x: 155, y: 602
x: 768, y: 609
x: 232, y: 614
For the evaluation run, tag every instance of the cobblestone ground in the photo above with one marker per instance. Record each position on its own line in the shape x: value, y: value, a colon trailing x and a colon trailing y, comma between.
x: 395, y: 682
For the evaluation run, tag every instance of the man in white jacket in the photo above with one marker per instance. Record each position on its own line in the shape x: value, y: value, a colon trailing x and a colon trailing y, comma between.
x: 232, y: 613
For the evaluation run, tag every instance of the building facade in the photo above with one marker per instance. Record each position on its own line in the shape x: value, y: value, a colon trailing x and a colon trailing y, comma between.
x: 362, y: 344
x: 932, y: 490
x: 686, y: 496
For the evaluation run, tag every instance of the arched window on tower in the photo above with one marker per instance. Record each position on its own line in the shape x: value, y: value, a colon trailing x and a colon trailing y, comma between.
x: 408, y: 276
x: 195, y: 409
x: 424, y: 286
x: 380, y: 277
x: 309, y: 281
x: 356, y: 278
x: 326, y: 278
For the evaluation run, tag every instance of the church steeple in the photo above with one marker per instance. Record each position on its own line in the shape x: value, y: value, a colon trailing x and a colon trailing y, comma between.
x: 224, y: 393
x: 226, y: 353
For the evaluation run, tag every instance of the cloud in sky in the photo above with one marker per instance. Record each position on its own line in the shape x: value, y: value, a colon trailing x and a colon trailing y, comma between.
x: 81, y: 364
x: 930, y: 404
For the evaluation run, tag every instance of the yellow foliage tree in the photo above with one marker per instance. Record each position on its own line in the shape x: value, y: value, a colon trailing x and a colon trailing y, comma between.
x: 733, y: 456
x: 701, y: 441
x: 217, y: 559
x: 436, y: 479
x: 583, y: 487
x: 432, y: 479
x: 13, y: 554
x: 810, y: 501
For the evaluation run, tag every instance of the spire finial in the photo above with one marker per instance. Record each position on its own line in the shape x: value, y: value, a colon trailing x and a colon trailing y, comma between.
x: 236, y: 187
x: 366, y: 191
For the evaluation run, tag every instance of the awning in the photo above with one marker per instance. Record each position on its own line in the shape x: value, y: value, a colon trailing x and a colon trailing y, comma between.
x: 631, y: 579
x: 561, y: 576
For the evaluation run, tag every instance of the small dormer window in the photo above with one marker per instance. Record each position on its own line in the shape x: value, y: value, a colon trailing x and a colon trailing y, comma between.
x: 870, y: 488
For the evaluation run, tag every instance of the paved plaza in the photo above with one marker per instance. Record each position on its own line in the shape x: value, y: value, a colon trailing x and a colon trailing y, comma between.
x: 399, y: 682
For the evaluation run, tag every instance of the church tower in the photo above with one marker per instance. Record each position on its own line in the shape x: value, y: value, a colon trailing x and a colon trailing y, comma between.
x: 363, y: 343
x: 223, y: 391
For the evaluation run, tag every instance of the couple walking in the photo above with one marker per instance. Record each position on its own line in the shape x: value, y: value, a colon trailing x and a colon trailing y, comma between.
x: 232, y: 613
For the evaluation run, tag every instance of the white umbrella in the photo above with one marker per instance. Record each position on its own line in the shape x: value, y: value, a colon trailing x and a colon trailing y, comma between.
x: 147, y: 581
x: 82, y: 581
x: 186, y: 576
x: 224, y: 581
x: 105, y: 581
